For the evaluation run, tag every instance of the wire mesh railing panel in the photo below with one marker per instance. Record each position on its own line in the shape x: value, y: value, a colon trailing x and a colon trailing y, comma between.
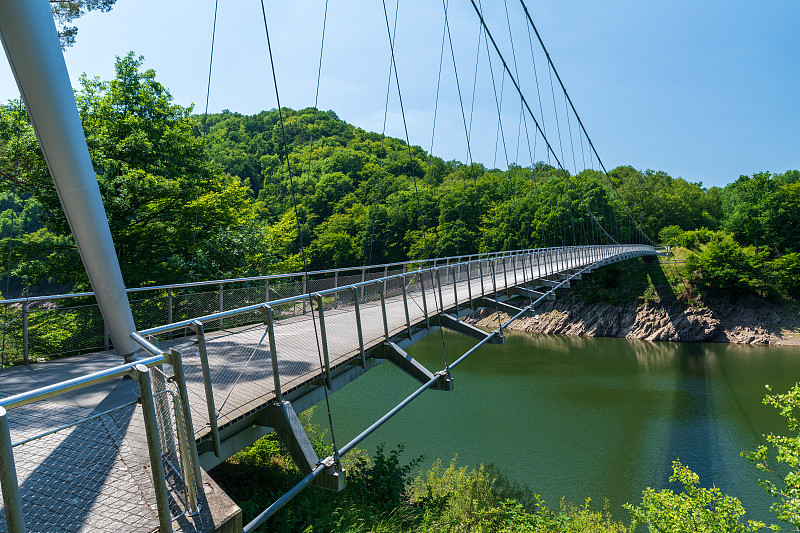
x: 341, y: 329
x: 285, y: 288
x: 189, y: 305
x: 242, y: 297
x: 151, y: 311
x: 171, y: 432
x: 298, y: 347
x: 83, y: 470
x: 65, y: 330
x: 11, y: 349
x: 240, y: 367
x: 394, y: 286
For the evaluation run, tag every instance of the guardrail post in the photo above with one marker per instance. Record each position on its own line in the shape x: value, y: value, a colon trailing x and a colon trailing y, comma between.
x: 305, y: 291
x: 324, y: 338
x: 363, y: 278
x: 439, y: 288
x: 273, y: 352
x: 25, y: 347
x: 469, y: 285
x: 191, y: 461
x: 424, y: 297
x: 266, y: 290
x: 494, y: 277
x: 383, y: 308
x: 514, y: 268
x: 358, y: 327
x: 455, y: 287
x: 221, y: 302
x: 405, y: 304
x: 15, y: 519
x: 197, y: 326
x: 480, y: 269
x: 336, y: 286
x: 154, y: 448
x: 169, y: 306
x: 505, y: 275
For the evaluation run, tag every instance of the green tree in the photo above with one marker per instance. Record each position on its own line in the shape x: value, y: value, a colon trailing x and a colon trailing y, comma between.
x: 164, y: 204
x: 723, y: 265
x: 65, y: 11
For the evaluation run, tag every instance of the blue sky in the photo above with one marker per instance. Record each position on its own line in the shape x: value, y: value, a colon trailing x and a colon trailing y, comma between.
x: 702, y: 90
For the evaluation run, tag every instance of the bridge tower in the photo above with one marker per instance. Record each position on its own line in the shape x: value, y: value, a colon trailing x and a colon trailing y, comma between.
x: 34, y: 53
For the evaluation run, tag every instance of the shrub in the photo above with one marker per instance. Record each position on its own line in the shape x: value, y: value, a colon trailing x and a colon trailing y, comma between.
x: 695, y: 509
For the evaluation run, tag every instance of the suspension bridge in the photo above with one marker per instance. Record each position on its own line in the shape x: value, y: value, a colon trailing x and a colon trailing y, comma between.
x: 90, y: 443
x: 220, y: 382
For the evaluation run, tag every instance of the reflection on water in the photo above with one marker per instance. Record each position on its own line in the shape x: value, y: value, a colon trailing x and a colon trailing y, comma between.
x: 583, y: 417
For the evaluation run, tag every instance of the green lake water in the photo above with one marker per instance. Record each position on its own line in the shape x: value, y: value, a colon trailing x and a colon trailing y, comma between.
x: 582, y: 417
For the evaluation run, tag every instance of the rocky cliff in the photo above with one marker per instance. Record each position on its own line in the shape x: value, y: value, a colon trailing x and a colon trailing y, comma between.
x: 749, y: 322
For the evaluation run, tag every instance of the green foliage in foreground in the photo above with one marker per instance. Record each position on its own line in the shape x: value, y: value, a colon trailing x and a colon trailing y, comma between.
x: 695, y: 509
x: 786, y: 466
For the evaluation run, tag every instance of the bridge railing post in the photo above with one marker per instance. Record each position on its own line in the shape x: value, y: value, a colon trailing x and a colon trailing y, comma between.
x: 336, y: 286
x: 505, y: 273
x: 273, y: 350
x: 154, y: 448
x: 197, y: 327
x: 170, y: 304
x: 469, y: 284
x: 383, y: 309
x: 12, y: 502
x: 405, y: 304
x: 494, y: 278
x: 324, y: 338
x: 190, y: 461
x: 480, y: 271
x: 455, y: 287
x: 357, y: 309
x: 425, y: 297
x: 439, y: 290
x: 221, y: 289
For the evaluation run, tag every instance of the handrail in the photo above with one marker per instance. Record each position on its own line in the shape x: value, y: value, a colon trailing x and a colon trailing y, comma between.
x: 289, y: 299
x: 166, y: 328
x: 506, y: 253
x: 70, y: 385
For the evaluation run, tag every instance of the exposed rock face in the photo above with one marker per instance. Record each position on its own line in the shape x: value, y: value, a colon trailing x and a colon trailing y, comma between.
x: 757, y: 323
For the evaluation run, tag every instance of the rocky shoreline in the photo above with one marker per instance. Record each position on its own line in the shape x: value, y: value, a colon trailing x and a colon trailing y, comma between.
x: 751, y: 322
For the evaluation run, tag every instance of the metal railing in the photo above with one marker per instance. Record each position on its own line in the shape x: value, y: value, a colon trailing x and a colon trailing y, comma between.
x: 58, y: 462
x: 42, y: 327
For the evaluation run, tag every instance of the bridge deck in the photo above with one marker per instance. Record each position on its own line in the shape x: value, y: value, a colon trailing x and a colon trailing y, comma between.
x: 93, y: 476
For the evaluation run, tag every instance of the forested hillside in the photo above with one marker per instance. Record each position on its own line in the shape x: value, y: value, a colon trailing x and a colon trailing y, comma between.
x: 204, y: 197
